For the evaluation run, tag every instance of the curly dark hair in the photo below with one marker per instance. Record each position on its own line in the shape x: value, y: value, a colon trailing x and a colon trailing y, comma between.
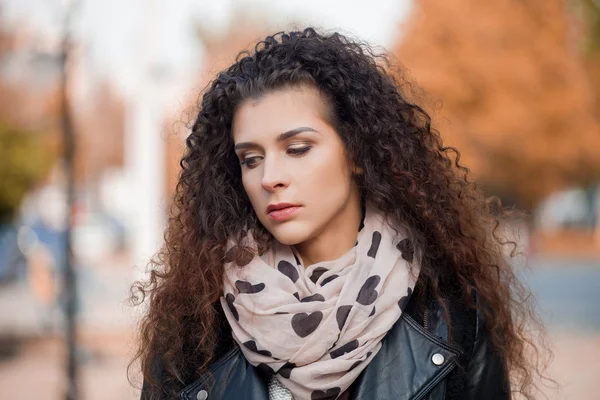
x: 407, y: 173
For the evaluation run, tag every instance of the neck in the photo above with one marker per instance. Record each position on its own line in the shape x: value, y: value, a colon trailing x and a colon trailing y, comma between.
x: 335, y: 240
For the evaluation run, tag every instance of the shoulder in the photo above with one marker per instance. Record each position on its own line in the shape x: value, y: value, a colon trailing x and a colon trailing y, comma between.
x: 483, y: 372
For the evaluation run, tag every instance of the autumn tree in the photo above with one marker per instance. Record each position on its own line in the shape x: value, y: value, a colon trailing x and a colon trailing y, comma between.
x: 517, y: 100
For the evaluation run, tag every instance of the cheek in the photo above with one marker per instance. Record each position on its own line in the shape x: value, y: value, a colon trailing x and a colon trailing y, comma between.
x: 250, y: 186
x: 328, y: 172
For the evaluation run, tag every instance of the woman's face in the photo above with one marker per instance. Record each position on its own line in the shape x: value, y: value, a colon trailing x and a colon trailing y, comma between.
x: 290, y: 154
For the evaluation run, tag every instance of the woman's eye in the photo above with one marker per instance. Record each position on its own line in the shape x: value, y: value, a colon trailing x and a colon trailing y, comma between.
x: 298, y: 150
x: 250, y: 162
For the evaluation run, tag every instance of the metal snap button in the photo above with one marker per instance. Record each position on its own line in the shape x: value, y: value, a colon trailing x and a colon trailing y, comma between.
x: 202, y: 395
x: 437, y: 359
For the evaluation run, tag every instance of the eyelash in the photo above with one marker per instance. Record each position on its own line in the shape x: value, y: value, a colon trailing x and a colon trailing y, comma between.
x: 291, y: 150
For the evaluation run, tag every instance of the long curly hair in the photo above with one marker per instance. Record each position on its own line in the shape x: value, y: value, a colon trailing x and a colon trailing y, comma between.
x: 407, y: 173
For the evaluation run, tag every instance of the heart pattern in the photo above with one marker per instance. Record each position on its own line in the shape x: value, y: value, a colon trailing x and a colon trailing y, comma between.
x: 357, y: 363
x: 229, y: 298
x: 265, y: 370
x: 286, y: 370
x: 374, y: 244
x: 328, y: 279
x: 316, y: 274
x: 406, y: 248
x: 286, y: 268
x: 368, y: 294
x: 342, y: 315
x: 251, y: 345
x: 314, y: 297
x: 304, y: 323
x: 329, y: 394
x: 247, y: 287
x: 404, y: 299
x: 347, y: 348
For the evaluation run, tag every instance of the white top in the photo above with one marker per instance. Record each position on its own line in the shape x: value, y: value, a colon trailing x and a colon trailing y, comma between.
x: 277, y: 391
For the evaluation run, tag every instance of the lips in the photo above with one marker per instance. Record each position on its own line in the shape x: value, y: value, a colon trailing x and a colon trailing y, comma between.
x: 281, y: 211
x: 279, y: 206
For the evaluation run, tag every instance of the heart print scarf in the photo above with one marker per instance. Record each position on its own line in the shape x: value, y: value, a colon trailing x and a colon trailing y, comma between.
x: 317, y: 328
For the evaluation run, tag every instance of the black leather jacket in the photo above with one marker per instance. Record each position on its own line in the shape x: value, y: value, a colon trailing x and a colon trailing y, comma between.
x: 416, y: 361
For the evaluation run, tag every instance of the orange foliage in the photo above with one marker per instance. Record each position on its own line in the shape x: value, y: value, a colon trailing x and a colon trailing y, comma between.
x: 516, y: 97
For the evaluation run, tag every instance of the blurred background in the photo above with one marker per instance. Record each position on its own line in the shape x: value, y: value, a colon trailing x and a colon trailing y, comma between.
x: 515, y: 85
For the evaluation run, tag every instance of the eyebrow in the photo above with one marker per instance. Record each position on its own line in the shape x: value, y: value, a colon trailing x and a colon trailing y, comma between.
x: 281, y: 137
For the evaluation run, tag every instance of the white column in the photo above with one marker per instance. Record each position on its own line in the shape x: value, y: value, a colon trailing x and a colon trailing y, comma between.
x: 145, y: 158
x: 145, y: 146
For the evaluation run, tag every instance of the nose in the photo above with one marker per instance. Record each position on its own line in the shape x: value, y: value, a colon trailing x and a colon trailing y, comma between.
x: 274, y: 175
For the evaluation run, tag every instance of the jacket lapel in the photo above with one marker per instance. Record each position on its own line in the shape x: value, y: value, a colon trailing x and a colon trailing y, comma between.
x: 409, y: 364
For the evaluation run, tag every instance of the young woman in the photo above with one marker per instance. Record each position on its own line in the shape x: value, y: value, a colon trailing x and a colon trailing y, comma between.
x: 324, y: 244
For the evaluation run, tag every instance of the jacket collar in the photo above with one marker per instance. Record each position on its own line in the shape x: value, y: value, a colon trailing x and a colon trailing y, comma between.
x: 411, y: 361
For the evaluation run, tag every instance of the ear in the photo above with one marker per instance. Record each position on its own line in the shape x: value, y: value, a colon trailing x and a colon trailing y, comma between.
x: 354, y: 169
x: 357, y: 170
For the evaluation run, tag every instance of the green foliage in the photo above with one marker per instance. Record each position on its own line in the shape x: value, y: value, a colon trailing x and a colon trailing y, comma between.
x: 24, y: 161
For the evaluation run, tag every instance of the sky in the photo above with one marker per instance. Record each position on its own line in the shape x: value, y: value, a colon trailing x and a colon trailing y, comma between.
x: 120, y: 38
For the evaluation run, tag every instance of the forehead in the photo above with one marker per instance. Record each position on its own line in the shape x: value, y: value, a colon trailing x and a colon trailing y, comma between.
x: 279, y: 111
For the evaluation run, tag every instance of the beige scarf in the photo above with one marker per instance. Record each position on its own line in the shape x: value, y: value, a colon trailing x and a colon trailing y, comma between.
x: 317, y: 328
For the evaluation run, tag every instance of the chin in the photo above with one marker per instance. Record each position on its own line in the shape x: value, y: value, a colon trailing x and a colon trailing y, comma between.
x: 290, y: 235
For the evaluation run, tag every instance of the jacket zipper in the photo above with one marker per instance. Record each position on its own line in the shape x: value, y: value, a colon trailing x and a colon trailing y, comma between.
x: 426, y: 319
